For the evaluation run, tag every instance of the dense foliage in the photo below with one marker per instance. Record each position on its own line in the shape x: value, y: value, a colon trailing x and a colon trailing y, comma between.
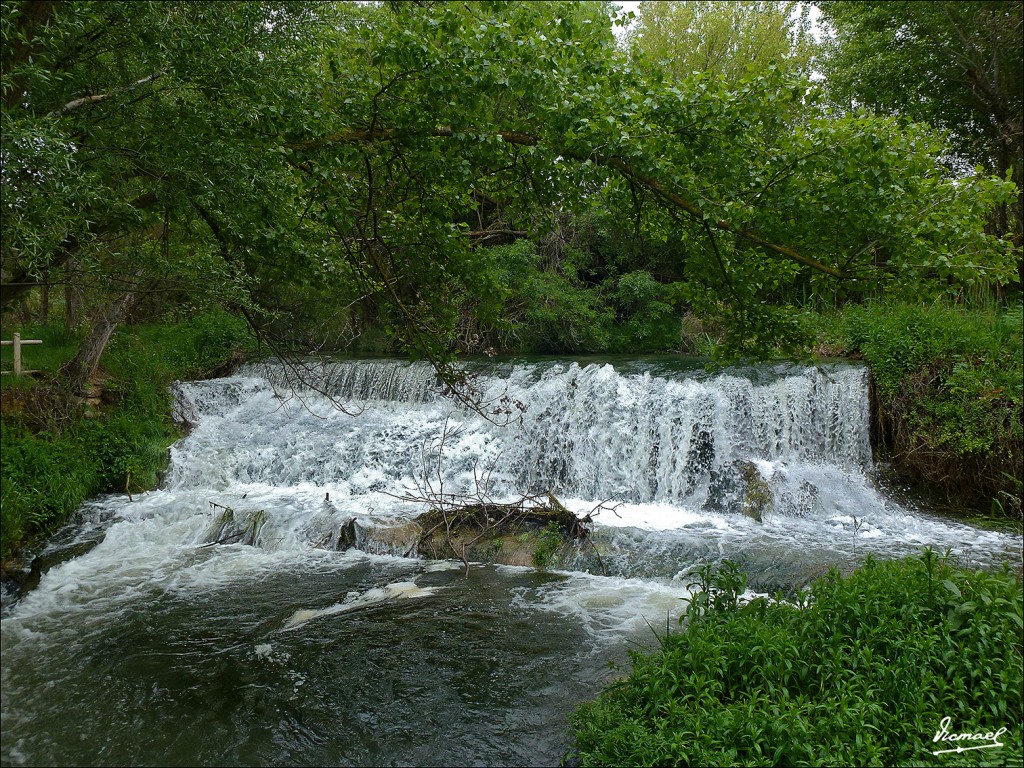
x: 726, y: 39
x: 324, y: 168
x: 860, y: 670
x: 956, y: 65
x: 949, y: 390
x: 55, y: 456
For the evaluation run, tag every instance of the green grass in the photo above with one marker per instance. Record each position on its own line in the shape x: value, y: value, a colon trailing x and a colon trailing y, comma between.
x: 54, y: 457
x: 949, y: 394
x: 59, y: 345
x: 897, y: 339
x: 857, y: 671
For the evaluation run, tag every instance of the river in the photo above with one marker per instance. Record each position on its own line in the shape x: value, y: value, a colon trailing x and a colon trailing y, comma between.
x: 159, y: 647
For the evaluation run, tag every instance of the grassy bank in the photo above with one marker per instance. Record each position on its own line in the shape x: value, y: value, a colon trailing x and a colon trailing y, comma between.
x: 858, y: 671
x: 57, y: 453
x: 948, y: 386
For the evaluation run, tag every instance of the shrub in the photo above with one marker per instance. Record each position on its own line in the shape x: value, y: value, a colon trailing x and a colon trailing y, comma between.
x: 855, y: 671
x: 647, y: 320
x: 547, y: 548
x: 532, y: 309
x: 949, y: 388
x: 45, y: 477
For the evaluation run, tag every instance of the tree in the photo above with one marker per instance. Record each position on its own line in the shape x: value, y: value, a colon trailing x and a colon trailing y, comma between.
x: 955, y: 65
x: 272, y: 156
x: 767, y: 194
x: 127, y: 128
x: 727, y: 39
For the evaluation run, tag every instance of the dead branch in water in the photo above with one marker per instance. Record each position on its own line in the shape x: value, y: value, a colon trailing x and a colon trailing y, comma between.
x: 463, y: 520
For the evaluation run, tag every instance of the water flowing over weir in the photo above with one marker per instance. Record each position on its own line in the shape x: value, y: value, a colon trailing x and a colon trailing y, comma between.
x: 157, y: 646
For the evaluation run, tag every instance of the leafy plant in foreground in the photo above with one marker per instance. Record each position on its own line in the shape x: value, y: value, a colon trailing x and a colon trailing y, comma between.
x: 860, y: 670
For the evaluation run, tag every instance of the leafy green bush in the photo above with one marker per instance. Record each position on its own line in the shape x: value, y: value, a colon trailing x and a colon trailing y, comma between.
x: 561, y: 317
x: 897, y: 339
x: 47, y: 472
x: 949, y: 386
x: 857, y: 671
x: 647, y: 319
x: 532, y: 309
x: 129, y: 451
x: 547, y: 549
x: 45, y: 477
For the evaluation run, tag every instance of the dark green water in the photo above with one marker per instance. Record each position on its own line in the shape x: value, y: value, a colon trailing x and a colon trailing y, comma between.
x: 468, y: 675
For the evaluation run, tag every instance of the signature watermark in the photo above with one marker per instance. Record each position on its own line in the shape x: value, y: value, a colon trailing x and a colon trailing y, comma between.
x: 945, y: 735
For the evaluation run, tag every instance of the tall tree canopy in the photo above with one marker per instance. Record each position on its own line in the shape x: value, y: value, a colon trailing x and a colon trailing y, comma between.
x: 723, y: 38
x: 956, y: 65
x: 273, y: 156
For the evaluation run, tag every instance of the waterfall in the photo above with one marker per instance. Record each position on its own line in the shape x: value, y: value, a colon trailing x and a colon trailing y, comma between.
x: 588, y: 432
x: 771, y: 465
x: 263, y: 606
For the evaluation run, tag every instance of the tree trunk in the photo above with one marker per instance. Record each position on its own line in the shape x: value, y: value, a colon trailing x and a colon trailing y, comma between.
x: 44, y: 301
x: 78, y: 371
x: 72, y: 305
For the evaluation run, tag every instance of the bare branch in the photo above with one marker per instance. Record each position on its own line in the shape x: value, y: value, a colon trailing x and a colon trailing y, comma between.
x: 96, y: 98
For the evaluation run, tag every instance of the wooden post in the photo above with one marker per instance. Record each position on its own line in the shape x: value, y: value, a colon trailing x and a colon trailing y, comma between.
x: 17, y: 344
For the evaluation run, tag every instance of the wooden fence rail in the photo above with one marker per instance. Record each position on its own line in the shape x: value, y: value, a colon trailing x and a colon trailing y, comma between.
x: 17, y: 343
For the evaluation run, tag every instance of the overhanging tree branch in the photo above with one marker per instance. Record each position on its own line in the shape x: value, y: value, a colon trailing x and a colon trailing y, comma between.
x: 653, y: 185
x: 97, y: 98
x: 665, y: 194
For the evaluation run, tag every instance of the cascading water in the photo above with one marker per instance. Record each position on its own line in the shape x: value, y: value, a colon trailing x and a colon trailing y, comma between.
x: 158, y: 646
x: 672, y: 452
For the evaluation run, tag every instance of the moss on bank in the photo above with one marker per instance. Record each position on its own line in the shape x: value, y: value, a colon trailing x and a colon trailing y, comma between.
x: 58, y: 452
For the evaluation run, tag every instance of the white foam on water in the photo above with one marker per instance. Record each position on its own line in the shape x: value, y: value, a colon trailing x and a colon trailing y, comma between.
x: 608, y: 608
x: 436, y: 566
x: 662, y: 450
x: 651, y: 517
x: 264, y: 650
x: 587, y: 432
x: 400, y: 590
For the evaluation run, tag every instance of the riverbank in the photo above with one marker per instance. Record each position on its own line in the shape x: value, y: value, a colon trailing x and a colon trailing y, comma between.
x: 59, y: 450
x: 886, y: 666
x: 947, y: 390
